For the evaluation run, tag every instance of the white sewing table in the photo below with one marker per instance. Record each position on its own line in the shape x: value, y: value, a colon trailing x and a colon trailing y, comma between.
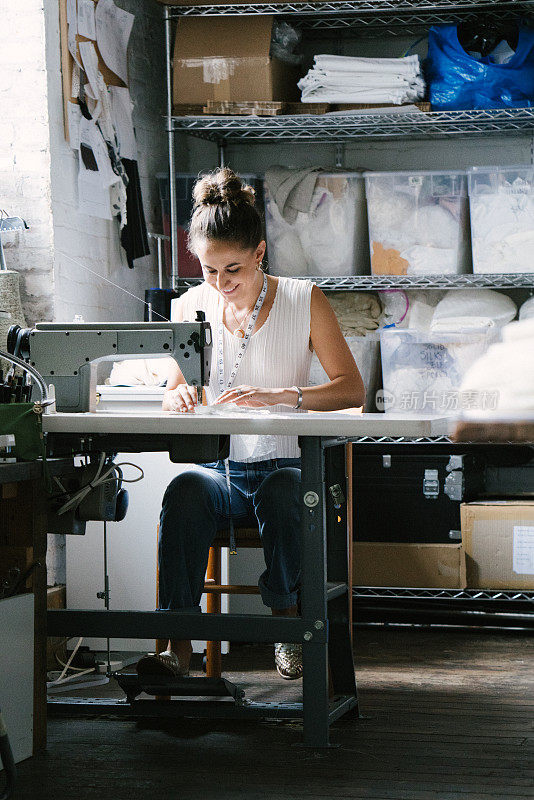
x: 324, y: 625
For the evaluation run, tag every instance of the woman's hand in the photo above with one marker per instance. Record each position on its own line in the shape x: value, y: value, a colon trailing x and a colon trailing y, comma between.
x: 182, y: 398
x: 255, y: 397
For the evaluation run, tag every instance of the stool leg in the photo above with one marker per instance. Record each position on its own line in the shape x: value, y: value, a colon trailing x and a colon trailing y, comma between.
x: 213, y: 606
x: 161, y: 644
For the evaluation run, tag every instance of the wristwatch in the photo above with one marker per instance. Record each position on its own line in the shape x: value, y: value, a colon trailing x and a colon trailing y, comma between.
x: 299, y: 396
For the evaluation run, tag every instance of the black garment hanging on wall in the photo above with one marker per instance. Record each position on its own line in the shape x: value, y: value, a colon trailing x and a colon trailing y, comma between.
x: 134, y: 237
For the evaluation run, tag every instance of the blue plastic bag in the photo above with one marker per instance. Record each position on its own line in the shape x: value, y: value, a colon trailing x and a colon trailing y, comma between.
x: 458, y: 80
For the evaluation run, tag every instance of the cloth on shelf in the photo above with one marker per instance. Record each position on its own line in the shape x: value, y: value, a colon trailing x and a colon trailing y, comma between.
x: 506, y: 371
x: 347, y: 79
x: 140, y: 372
x: 292, y: 189
x: 527, y: 309
x: 356, y: 312
x: 472, y: 309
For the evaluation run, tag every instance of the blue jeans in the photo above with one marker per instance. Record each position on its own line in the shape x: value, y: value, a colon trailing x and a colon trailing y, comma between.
x: 195, y: 507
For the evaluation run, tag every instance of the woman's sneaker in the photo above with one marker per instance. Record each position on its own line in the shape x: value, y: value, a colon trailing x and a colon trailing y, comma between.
x: 165, y: 663
x: 288, y: 660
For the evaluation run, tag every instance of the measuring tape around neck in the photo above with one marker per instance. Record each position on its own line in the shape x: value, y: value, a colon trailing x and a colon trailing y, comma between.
x: 244, y: 342
x: 222, y: 387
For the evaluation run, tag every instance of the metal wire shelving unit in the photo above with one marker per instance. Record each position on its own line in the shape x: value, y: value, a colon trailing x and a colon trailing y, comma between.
x: 375, y: 17
x: 369, y: 18
x: 334, y: 128
x: 513, y: 595
x: 350, y: 283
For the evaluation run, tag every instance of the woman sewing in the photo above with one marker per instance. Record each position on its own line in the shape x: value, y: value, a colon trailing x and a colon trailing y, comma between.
x: 265, y: 329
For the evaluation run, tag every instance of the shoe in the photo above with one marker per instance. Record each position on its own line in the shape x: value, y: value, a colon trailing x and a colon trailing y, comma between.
x: 165, y: 663
x: 288, y: 660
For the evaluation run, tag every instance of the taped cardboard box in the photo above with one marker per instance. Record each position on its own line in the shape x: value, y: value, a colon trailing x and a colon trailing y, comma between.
x: 215, y: 59
x: 412, y: 565
x: 498, y: 538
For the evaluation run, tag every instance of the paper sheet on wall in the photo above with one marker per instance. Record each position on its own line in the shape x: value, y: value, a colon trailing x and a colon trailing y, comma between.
x: 90, y: 65
x: 95, y: 174
x: 523, y: 559
x: 86, y: 19
x: 74, y: 116
x: 71, y: 12
x: 72, y: 42
x: 75, y: 86
x: 121, y: 112
x: 113, y: 28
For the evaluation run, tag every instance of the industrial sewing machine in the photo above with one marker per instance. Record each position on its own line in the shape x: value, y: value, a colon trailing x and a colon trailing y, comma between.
x: 67, y: 354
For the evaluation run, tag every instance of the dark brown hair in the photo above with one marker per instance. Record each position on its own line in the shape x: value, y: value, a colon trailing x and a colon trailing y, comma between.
x: 224, y: 211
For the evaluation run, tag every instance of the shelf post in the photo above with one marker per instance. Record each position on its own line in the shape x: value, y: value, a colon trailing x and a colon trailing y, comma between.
x: 171, y: 145
x: 221, y: 145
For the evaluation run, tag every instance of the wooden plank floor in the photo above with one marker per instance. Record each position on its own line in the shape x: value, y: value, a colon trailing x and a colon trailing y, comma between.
x: 446, y: 715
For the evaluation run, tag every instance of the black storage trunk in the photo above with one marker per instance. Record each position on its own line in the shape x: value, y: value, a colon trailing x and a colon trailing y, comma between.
x: 411, y: 497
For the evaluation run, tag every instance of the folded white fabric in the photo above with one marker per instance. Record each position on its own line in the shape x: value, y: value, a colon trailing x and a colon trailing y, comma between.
x: 347, y: 79
x: 408, y: 65
x: 462, y: 309
x: 506, y: 370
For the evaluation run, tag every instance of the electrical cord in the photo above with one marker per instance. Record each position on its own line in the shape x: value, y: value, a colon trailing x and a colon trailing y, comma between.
x: 113, y: 473
x: 64, y: 678
x: 38, y: 378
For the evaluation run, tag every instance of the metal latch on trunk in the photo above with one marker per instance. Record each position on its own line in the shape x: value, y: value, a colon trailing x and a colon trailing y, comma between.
x: 454, y: 485
x: 431, y: 484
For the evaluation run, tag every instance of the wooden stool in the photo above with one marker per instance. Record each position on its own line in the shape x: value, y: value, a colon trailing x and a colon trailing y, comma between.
x: 244, y: 537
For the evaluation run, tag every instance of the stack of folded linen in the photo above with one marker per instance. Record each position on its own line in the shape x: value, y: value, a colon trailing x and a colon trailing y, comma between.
x: 344, y: 79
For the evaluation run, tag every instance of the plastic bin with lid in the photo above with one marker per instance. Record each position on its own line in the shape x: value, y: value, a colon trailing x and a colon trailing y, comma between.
x: 418, y: 222
x: 422, y: 372
x: 330, y: 239
x: 501, y: 200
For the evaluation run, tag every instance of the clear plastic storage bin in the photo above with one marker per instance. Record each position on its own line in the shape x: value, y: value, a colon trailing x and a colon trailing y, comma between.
x: 418, y: 223
x: 366, y: 352
x: 330, y: 240
x: 422, y: 372
x: 502, y: 218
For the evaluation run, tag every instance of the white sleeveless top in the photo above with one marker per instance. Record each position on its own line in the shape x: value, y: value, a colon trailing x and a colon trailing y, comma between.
x: 278, y: 356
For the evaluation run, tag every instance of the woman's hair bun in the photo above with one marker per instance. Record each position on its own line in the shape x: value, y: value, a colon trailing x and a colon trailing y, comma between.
x: 220, y: 187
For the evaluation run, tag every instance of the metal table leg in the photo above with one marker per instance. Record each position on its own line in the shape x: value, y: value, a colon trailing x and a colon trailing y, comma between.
x: 339, y: 593
x: 325, y: 594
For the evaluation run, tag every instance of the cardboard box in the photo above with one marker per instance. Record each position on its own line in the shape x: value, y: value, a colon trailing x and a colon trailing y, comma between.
x: 498, y: 538
x: 410, y: 565
x: 217, y: 59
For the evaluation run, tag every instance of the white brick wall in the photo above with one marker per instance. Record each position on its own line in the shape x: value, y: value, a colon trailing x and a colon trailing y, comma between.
x: 38, y: 170
x: 25, y: 151
x: 38, y: 177
x: 84, y: 287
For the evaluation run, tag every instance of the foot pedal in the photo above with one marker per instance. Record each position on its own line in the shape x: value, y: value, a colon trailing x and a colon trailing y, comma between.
x: 133, y: 685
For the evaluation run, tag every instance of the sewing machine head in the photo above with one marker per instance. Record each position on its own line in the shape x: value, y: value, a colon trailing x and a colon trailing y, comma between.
x: 67, y: 354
